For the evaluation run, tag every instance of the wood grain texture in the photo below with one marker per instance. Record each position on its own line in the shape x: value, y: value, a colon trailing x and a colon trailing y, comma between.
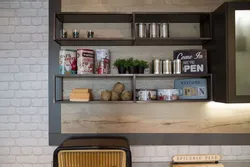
x: 154, y: 118
x: 140, y: 5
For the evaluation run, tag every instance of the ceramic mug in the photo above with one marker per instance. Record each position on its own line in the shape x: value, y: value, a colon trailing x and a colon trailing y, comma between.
x: 168, y: 94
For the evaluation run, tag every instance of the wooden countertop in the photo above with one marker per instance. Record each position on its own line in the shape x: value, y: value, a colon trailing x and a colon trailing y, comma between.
x: 168, y: 164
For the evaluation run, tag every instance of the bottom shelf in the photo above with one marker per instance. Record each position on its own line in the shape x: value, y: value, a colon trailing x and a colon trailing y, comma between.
x: 94, y: 102
x: 125, y: 102
x: 175, y: 101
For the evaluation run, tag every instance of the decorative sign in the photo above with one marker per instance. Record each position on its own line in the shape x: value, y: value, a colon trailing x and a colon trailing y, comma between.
x: 196, y: 158
x: 193, y: 61
x: 198, y: 165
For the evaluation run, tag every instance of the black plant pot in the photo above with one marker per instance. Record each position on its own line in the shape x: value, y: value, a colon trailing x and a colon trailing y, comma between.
x: 122, y: 70
x: 140, y: 70
x: 132, y: 70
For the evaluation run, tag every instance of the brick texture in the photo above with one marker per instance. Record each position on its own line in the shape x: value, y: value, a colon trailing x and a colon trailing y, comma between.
x: 24, y: 87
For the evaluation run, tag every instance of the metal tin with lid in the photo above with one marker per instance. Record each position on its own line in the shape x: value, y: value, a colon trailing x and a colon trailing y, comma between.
x: 142, y: 30
x: 177, y: 66
x: 67, y: 61
x: 154, y: 30
x: 146, y: 94
x: 102, y: 60
x: 167, y: 67
x: 156, y: 63
x: 85, y: 61
x: 164, y: 30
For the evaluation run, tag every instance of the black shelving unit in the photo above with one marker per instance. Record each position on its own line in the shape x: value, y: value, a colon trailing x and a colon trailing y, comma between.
x: 133, y: 18
x: 134, y: 78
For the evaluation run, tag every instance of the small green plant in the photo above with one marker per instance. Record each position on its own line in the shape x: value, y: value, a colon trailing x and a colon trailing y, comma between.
x: 142, y: 63
x: 137, y: 62
x: 120, y: 63
x: 130, y: 62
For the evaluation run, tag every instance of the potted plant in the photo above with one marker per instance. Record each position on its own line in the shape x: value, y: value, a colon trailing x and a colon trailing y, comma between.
x: 121, y: 65
x: 141, y: 65
x: 130, y: 65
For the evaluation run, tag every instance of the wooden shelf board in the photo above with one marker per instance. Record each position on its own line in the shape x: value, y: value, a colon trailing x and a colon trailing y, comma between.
x: 170, y: 41
x: 93, y: 75
x: 131, y: 75
x: 129, y: 102
x: 171, y: 17
x: 96, y: 102
x: 97, y: 17
x: 175, y: 101
x: 94, y: 41
x: 130, y: 42
x: 174, y: 75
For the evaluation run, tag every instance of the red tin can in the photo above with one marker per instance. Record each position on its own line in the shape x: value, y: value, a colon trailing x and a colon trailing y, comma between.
x: 85, y: 61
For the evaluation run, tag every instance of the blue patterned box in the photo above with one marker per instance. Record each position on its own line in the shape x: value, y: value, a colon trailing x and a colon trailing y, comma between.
x: 192, y: 88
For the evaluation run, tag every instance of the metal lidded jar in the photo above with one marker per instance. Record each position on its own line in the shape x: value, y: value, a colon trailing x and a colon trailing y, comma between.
x: 167, y: 67
x: 85, y: 61
x: 142, y: 30
x: 102, y: 60
x: 164, y: 30
x: 161, y: 65
x: 177, y: 66
x: 156, y: 66
x: 67, y: 62
x: 154, y: 30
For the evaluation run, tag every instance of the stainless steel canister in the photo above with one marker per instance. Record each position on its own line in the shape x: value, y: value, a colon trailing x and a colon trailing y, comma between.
x: 156, y: 66
x: 177, y: 66
x: 161, y: 63
x: 142, y: 30
x: 167, y: 67
x: 154, y: 30
x: 163, y: 30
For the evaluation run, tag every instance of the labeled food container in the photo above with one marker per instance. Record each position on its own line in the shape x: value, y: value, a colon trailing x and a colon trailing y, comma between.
x: 102, y: 61
x: 85, y: 61
x: 146, y: 94
x: 192, y: 88
x: 67, y: 62
x: 168, y: 94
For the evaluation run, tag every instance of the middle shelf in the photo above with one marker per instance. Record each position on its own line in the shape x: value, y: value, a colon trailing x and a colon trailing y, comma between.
x: 133, y: 82
x: 131, y: 75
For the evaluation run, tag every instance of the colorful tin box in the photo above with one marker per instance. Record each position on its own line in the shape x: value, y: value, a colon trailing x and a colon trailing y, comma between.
x: 192, y: 88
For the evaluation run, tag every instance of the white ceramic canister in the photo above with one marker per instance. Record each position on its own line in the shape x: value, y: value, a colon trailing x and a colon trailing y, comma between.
x: 102, y: 61
x: 168, y: 94
x: 67, y: 61
x: 146, y: 94
x: 85, y: 61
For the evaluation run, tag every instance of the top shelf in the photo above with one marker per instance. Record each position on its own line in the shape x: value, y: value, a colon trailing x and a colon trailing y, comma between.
x: 90, y: 17
x: 108, y: 17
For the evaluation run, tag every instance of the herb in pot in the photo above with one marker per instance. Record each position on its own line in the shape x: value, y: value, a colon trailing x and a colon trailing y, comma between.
x: 141, y: 65
x: 121, y: 65
x: 130, y: 65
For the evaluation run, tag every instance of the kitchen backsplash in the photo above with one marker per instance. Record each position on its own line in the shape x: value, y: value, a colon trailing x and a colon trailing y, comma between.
x: 24, y: 86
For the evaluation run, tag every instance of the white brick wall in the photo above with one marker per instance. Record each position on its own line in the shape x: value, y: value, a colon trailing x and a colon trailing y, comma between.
x: 23, y: 93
